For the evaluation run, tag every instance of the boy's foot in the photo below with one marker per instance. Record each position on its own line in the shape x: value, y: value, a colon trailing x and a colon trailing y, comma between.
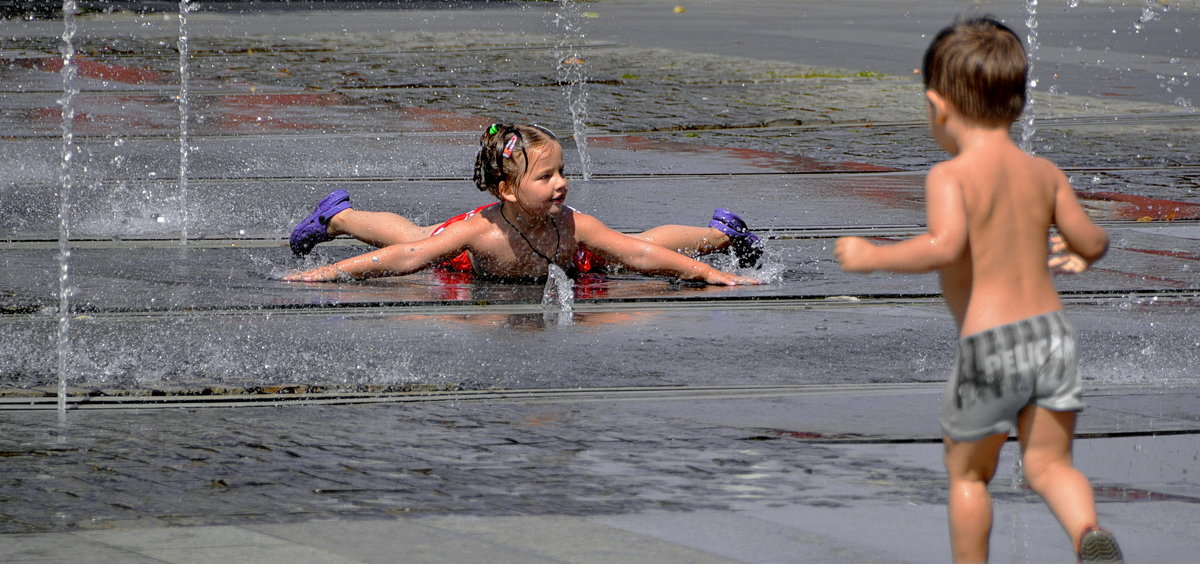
x: 315, y: 228
x: 1098, y: 545
x: 746, y: 246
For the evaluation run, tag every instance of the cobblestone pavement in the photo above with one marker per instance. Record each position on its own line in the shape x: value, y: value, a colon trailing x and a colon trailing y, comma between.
x: 832, y: 114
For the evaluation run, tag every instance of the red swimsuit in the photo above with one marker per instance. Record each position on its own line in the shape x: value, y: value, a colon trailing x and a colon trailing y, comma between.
x: 584, y: 260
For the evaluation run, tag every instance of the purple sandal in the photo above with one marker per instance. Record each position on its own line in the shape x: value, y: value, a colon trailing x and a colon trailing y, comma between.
x: 746, y: 246
x: 315, y: 228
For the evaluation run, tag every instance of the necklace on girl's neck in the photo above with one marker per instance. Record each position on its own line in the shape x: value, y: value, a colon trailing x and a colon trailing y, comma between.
x: 557, y: 237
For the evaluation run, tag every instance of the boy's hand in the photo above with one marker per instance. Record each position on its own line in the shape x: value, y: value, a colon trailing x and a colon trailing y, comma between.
x: 1062, y: 260
x: 853, y: 254
x: 1069, y: 263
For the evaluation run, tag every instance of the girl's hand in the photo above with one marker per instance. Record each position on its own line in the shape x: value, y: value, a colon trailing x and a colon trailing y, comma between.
x: 720, y: 278
x: 320, y: 274
x: 852, y: 253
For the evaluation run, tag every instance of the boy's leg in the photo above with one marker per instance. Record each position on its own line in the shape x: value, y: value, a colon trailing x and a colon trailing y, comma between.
x: 686, y: 239
x: 378, y: 229
x: 971, y: 465
x: 1046, y: 437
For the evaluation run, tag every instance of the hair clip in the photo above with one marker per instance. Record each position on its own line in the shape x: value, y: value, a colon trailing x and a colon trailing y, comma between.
x: 510, y: 145
x: 492, y: 129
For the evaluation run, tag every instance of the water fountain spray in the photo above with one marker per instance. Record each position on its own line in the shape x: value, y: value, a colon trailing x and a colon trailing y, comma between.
x: 185, y: 6
x: 558, y: 297
x: 64, y: 200
x: 571, y: 74
x: 1027, y: 126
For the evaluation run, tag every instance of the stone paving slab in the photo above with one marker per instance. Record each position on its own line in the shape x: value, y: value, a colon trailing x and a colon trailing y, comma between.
x: 764, y: 535
x: 650, y: 479
x: 163, y: 277
x: 258, y: 209
x: 1126, y: 338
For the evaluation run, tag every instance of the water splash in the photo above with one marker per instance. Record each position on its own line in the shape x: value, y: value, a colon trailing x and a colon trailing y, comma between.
x: 571, y: 74
x: 1018, y: 473
x: 185, y: 6
x: 1020, y: 540
x: 64, y: 201
x: 1149, y: 14
x: 1031, y: 40
x: 558, y: 298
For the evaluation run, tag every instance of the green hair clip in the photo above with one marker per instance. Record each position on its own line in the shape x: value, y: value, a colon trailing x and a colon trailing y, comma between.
x: 493, y: 129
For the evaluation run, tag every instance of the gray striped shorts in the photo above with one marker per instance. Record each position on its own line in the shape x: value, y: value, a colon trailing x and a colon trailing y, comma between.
x: 1000, y: 371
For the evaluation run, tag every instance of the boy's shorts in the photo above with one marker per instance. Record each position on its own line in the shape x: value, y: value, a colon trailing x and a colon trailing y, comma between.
x: 1002, y: 370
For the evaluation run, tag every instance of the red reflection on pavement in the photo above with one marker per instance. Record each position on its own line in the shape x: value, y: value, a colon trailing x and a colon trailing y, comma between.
x: 760, y: 159
x: 255, y: 112
x: 97, y: 70
x: 441, y: 120
x: 1144, y: 208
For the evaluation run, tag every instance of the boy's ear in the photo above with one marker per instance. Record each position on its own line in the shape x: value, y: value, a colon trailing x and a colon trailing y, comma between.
x: 937, y: 106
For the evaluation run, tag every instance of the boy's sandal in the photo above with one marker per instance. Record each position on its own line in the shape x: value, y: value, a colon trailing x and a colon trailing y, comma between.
x: 746, y: 246
x: 315, y: 228
x: 1098, y: 545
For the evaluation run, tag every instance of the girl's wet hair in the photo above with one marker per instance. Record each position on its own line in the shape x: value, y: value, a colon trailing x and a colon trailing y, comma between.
x: 499, y: 147
x: 979, y: 65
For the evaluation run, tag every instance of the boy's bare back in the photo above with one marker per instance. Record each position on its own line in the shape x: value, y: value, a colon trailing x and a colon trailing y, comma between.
x: 1008, y: 201
x: 991, y: 206
x: 989, y: 210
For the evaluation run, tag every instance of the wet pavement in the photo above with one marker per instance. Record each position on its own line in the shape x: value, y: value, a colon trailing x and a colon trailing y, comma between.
x: 218, y: 412
x: 838, y: 473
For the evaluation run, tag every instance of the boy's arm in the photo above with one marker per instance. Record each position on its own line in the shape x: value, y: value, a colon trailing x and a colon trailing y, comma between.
x: 1079, y: 237
x: 943, y: 242
x: 394, y: 260
x: 646, y: 257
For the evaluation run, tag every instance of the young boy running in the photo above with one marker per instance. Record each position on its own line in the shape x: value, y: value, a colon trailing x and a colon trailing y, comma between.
x: 990, y: 209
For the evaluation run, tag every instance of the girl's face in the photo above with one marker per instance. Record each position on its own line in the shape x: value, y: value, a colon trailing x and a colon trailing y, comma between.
x: 543, y: 188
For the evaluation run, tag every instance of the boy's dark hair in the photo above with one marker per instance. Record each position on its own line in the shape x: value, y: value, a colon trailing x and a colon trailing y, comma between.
x: 978, y: 65
x: 499, y: 147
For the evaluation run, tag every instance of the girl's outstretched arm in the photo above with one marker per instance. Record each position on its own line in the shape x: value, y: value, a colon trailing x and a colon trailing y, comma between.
x: 648, y: 258
x: 394, y: 260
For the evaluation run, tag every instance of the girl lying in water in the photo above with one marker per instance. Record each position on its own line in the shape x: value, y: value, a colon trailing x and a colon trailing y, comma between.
x: 521, y: 234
